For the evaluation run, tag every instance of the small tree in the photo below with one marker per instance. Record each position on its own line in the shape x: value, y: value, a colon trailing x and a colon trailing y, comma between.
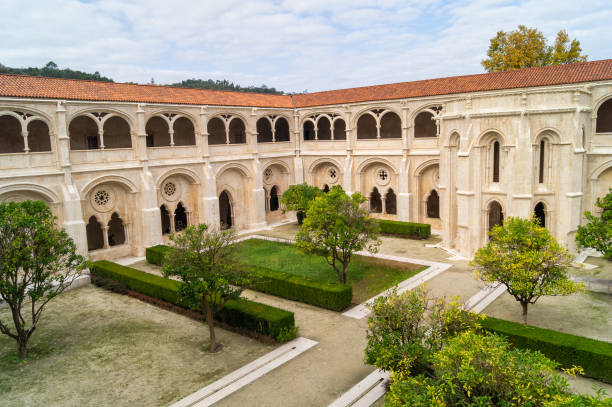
x: 299, y: 197
x: 527, y: 259
x: 201, y: 258
x: 336, y: 227
x: 597, y: 233
x: 37, y: 262
x: 527, y: 47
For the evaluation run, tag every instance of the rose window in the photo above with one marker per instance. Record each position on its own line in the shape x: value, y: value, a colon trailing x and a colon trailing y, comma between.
x: 332, y: 173
x: 101, y: 198
x: 170, y: 188
x: 268, y: 174
x: 383, y: 175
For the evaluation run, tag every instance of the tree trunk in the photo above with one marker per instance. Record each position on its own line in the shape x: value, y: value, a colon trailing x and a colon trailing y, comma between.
x: 524, y: 306
x: 211, y: 327
x: 22, y: 343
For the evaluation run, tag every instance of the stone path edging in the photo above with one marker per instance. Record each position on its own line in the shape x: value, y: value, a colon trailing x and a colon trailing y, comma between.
x: 366, y: 392
x: 246, y: 374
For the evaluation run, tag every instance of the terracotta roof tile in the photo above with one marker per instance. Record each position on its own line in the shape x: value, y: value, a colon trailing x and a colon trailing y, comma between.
x: 70, y: 89
x: 523, y: 78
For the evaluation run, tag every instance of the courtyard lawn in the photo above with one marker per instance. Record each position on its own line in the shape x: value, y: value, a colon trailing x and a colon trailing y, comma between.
x: 97, y: 348
x: 603, y: 270
x: 368, y: 276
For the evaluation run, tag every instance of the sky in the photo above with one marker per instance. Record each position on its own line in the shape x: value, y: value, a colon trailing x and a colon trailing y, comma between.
x: 291, y: 45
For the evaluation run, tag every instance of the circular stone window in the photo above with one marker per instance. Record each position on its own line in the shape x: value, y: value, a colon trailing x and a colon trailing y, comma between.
x: 268, y: 175
x: 170, y: 191
x: 382, y: 176
x: 332, y: 175
x: 103, y: 200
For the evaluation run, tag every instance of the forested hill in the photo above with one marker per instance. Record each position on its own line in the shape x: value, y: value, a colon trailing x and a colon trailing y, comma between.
x: 53, y: 71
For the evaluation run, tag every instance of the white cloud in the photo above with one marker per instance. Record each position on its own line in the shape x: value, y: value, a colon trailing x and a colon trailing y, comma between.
x: 291, y: 45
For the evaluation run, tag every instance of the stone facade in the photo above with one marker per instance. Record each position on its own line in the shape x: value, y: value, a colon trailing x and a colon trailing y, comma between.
x: 120, y: 176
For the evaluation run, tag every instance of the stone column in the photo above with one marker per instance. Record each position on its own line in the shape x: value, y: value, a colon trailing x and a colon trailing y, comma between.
x: 209, y: 212
x: 105, y: 236
x: 298, y: 164
x: 521, y: 182
x: 403, y: 195
x: 348, y: 182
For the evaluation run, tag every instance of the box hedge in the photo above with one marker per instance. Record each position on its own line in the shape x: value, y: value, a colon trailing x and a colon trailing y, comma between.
x: 241, y: 314
x: 336, y: 297
x: 406, y: 229
x: 595, y: 357
x: 155, y: 255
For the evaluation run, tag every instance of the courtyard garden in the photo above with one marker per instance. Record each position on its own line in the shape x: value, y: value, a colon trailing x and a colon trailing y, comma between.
x: 97, y: 348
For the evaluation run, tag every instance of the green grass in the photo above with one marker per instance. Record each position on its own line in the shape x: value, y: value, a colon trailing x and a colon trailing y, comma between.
x: 368, y: 276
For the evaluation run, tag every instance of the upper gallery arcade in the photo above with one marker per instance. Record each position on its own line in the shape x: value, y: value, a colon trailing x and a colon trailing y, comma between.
x: 123, y: 165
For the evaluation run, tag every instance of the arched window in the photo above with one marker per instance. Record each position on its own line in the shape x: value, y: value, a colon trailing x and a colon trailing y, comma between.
x: 95, y: 235
x: 542, y: 161
x: 225, y: 210
x: 264, y: 131
x: 375, y: 201
x: 180, y: 218
x: 281, y: 130
x: 339, y: 129
x: 165, y: 219
x: 424, y: 125
x: 38, y: 136
x: 309, y: 131
x: 390, y: 126
x: 323, y: 129
x: 158, y: 132
x: 390, y: 202
x: 184, y: 133
x: 496, y: 215
x: 366, y: 127
x: 117, y: 133
x: 216, y: 131
x: 495, y: 157
x: 237, y: 133
x: 604, y: 118
x: 116, y: 231
x: 83, y: 132
x: 11, y: 140
x: 433, y: 204
x: 274, y: 199
x: 540, y: 213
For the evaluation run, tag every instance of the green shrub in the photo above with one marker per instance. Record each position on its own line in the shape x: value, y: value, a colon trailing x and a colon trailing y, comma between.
x: 242, y: 314
x: 336, y: 297
x: 595, y: 357
x: 406, y: 229
x: 155, y: 255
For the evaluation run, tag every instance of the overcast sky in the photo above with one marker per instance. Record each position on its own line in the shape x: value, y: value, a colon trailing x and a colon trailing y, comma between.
x: 291, y: 45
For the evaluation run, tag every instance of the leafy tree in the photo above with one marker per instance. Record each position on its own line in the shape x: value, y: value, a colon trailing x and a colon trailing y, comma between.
x: 405, y: 330
x: 336, y: 227
x: 527, y: 259
x: 37, y: 262
x: 597, y: 233
x: 201, y: 258
x: 527, y: 47
x: 475, y: 369
x: 299, y: 197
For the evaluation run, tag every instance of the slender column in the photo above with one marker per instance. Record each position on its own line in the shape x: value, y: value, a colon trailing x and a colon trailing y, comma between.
x: 105, y: 232
x: 26, y: 147
x: 171, y: 132
x: 172, y: 230
x: 298, y: 165
x: 101, y: 138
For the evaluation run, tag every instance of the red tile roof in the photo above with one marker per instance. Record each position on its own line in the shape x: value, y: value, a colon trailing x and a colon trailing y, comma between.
x: 522, y: 78
x: 70, y: 89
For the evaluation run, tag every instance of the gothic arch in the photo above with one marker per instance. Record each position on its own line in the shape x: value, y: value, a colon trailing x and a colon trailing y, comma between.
x: 547, y: 132
x: 596, y: 173
x: 373, y: 161
x: 238, y: 166
x: 49, y: 194
x: 283, y: 165
x: 118, y: 179
x: 489, y: 135
x: 322, y: 161
x: 425, y: 165
x: 176, y: 114
x: 368, y: 110
x: 186, y: 172
x: 111, y: 112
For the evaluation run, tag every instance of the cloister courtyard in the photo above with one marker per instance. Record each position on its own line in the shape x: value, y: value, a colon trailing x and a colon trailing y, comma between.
x: 96, y: 347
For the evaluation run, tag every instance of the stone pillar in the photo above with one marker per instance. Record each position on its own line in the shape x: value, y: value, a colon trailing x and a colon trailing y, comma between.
x: 298, y: 164
x: 521, y: 182
x: 150, y: 213
x: 209, y: 201
x: 403, y: 195
x: 347, y: 182
x: 105, y: 236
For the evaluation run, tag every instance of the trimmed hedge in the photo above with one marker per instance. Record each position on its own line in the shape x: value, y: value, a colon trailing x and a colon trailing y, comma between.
x: 155, y: 255
x: 336, y: 297
x: 595, y: 357
x: 242, y: 314
x: 407, y: 229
